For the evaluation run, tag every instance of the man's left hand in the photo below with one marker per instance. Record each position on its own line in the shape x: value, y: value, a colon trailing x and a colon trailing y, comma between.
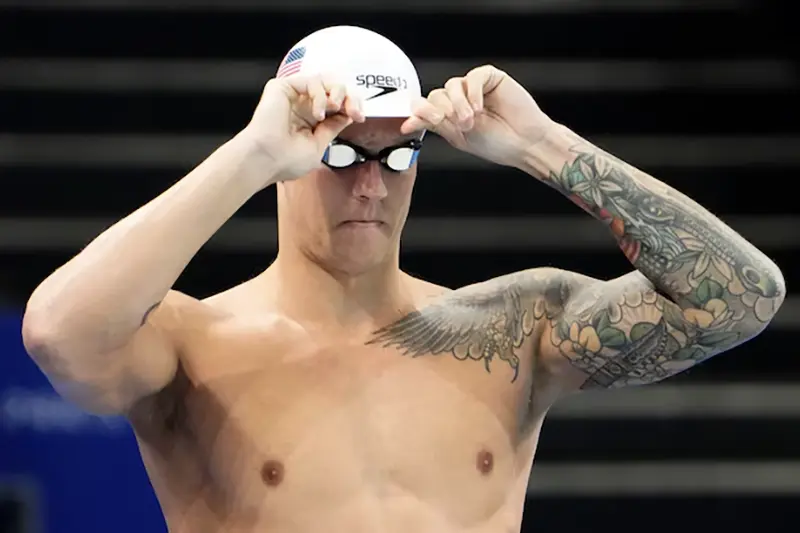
x: 485, y: 113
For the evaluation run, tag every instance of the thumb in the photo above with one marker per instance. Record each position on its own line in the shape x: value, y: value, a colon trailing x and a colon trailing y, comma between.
x: 328, y: 129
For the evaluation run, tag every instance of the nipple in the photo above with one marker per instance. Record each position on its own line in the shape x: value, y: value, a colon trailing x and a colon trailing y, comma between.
x: 272, y: 473
x: 485, y: 462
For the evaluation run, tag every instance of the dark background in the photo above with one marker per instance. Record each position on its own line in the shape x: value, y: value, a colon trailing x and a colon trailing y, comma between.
x: 104, y: 104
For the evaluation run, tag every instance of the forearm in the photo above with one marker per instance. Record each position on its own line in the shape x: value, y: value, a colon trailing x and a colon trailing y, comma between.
x: 676, y: 243
x: 103, y: 294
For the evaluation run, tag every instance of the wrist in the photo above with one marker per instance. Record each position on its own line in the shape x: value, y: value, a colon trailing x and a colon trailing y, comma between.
x: 256, y: 168
x: 549, y: 153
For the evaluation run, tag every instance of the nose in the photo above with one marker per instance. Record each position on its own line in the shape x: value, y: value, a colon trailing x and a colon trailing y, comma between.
x: 369, y: 184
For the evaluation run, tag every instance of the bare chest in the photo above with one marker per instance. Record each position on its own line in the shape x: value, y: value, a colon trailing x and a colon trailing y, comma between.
x: 336, y: 421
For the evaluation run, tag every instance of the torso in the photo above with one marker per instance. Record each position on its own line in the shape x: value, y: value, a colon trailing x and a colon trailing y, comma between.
x: 269, y: 427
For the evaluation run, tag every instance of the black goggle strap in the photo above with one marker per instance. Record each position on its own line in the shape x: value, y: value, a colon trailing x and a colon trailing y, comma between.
x: 355, y: 154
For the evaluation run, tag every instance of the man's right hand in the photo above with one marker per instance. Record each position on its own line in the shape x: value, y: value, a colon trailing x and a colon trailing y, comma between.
x: 295, y: 120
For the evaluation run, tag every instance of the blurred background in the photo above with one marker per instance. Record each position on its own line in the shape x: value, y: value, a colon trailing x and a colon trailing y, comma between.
x: 105, y: 103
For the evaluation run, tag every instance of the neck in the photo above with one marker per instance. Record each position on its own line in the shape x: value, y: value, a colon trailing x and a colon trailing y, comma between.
x: 312, y: 293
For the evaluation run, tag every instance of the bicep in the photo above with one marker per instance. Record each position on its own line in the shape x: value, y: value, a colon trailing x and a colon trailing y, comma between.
x: 111, y: 383
x: 623, y: 332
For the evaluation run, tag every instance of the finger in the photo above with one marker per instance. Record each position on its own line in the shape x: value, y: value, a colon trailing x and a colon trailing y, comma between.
x: 457, y: 94
x: 425, y: 111
x: 297, y: 84
x: 330, y: 128
x: 439, y: 99
x: 414, y: 124
x: 354, y: 107
x: 448, y: 130
x: 318, y: 95
x: 490, y: 77
x: 474, y: 82
x: 296, y: 89
x: 424, y: 116
x: 336, y: 96
x: 340, y: 99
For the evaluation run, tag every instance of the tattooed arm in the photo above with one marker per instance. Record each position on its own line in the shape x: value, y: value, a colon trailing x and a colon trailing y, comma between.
x: 699, y: 289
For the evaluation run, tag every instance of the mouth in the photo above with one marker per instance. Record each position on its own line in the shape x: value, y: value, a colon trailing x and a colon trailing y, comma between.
x: 363, y: 223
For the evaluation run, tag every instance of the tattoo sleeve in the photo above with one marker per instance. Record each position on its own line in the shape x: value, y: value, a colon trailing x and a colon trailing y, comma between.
x: 721, y: 290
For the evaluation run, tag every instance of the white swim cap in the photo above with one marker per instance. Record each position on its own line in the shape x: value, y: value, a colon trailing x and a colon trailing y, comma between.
x: 371, y: 66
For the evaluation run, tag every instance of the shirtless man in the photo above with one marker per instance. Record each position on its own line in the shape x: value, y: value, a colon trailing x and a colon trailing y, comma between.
x: 336, y: 393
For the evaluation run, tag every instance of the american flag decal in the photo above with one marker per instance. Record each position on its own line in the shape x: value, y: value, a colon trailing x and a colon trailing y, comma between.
x: 292, y: 62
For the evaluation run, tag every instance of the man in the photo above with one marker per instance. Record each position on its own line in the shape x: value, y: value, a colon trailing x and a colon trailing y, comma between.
x: 334, y: 392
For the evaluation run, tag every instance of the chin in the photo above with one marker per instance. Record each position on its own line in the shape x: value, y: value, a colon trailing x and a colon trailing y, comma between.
x: 355, y: 259
x: 357, y: 264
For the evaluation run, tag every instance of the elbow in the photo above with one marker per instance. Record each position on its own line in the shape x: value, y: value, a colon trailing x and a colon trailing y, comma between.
x: 55, y: 326
x: 79, y: 381
x: 775, y: 291
x: 767, y: 294
x: 781, y: 290
x: 781, y: 284
x: 39, y: 329
x: 43, y: 342
x: 38, y: 334
x: 45, y: 336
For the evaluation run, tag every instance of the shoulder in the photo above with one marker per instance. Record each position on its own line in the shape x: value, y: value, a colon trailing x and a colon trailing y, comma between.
x: 531, y: 294
x: 533, y: 281
x: 497, y: 321
x: 553, y: 284
x: 424, y: 292
x: 179, y: 312
x: 501, y: 314
x: 189, y: 319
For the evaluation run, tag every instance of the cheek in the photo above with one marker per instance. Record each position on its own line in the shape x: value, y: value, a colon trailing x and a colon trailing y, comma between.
x: 331, y: 192
x: 313, y: 197
x: 400, y: 189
